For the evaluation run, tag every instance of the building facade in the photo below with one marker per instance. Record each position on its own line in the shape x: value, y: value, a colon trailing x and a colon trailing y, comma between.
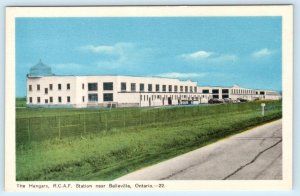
x: 109, y: 91
x: 129, y: 91
x: 236, y: 92
x: 45, y: 89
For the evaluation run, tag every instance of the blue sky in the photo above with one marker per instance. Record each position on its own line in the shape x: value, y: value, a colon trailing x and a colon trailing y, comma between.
x: 210, y: 50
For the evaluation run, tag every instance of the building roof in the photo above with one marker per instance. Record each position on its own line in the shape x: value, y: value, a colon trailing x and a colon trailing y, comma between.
x: 40, y: 69
x: 114, y: 75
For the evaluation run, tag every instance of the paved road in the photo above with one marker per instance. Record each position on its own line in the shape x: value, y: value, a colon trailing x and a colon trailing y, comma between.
x: 253, y: 154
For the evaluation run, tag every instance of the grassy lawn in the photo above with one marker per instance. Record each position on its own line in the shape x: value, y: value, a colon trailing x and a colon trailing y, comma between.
x: 82, y: 144
x: 21, y: 102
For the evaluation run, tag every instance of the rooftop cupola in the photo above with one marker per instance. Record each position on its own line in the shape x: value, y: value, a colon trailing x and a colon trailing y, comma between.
x: 40, y: 69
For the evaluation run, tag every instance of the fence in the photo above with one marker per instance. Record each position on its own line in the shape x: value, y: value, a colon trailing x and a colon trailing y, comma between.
x: 90, y: 122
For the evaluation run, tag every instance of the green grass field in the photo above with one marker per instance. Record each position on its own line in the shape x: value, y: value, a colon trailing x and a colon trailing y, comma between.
x: 85, y: 144
x: 21, y: 102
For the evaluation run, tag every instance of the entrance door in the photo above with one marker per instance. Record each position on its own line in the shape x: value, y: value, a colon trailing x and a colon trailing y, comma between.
x: 169, y: 101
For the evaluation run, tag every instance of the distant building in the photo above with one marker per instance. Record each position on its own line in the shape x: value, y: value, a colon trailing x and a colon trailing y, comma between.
x: 236, y: 92
x: 44, y: 89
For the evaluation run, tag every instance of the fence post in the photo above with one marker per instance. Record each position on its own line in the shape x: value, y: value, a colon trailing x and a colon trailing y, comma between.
x: 58, y: 126
x: 28, y: 128
x: 106, y: 121
x: 124, y: 121
x: 84, y: 126
x: 140, y: 118
x: 99, y: 124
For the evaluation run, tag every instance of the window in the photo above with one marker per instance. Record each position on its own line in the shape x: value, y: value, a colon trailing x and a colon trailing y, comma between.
x: 68, y: 86
x: 262, y: 92
x: 46, y: 100
x: 216, y: 96
x: 132, y: 86
x: 195, y: 89
x: 149, y: 87
x: 225, y: 96
x: 170, y: 88
x: 191, y: 89
x: 186, y: 89
x: 68, y: 99
x: 157, y: 87
x: 123, y: 86
x: 50, y: 87
x: 93, y: 97
x: 175, y: 88
x: 108, y: 86
x: 30, y: 87
x: 59, y: 87
x: 38, y: 87
x: 181, y: 88
x: 141, y: 97
x: 46, y: 90
x: 82, y: 98
x: 92, y: 86
x: 142, y: 87
x: 82, y: 86
x: 30, y: 99
x: 51, y: 99
x: 215, y: 91
x: 225, y: 91
x: 59, y: 99
x: 164, y: 88
x: 108, y: 97
x: 38, y: 99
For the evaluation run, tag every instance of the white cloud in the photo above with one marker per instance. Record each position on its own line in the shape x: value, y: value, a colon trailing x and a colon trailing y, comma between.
x: 116, y: 48
x: 196, y: 55
x: 208, y: 57
x: 182, y: 75
x: 262, y: 53
x: 119, y: 55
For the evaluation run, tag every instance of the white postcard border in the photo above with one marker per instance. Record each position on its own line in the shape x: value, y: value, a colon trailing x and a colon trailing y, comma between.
x: 286, y: 11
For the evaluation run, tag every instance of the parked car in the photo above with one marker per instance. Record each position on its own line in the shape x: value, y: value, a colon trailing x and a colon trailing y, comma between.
x: 242, y: 100
x: 228, y: 100
x: 214, y: 100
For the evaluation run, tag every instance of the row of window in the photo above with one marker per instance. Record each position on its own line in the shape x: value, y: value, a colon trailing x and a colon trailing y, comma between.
x: 107, y: 86
x: 158, y: 87
x: 91, y: 98
x: 59, y: 87
x: 50, y: 100
x: 244, y: 91
x: 215, y: 91
x: 110, y: 86
x: 106, y: 97
x: 161, y: 97
x: 233, y: 91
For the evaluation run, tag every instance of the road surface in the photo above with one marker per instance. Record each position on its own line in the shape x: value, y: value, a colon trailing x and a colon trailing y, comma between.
x: 255, y: 154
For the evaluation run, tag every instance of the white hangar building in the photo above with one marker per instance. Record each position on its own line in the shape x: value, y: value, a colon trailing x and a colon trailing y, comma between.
x: 45, y: 89
x: 236, y: 92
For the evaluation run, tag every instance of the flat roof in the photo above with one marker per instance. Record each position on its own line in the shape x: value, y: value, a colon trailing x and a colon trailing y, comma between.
x: 28, y: 76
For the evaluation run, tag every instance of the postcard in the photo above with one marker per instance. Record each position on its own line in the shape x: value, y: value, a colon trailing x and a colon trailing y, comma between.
x: 149, y: 98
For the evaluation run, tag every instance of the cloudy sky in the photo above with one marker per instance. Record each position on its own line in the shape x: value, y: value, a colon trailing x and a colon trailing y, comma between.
x: 210, y: 50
